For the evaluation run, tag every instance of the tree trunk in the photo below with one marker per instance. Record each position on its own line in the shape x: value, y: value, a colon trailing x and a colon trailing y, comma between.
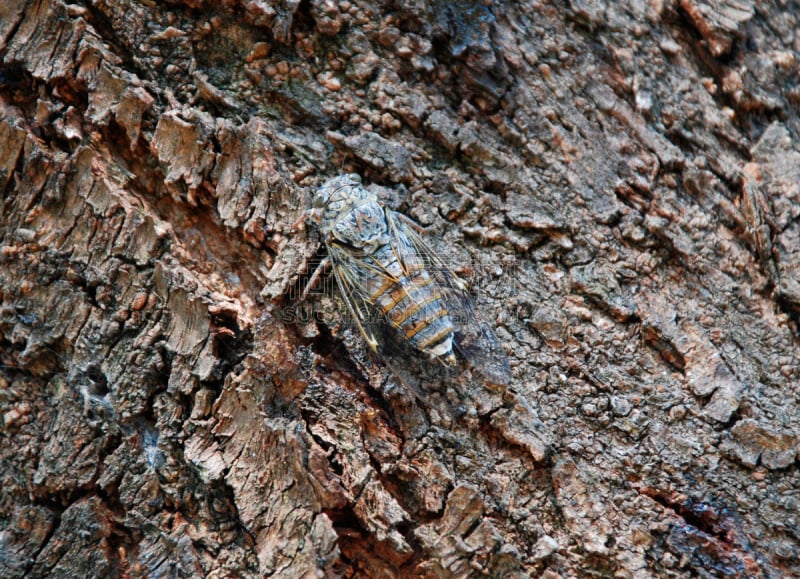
x: 619, y: 182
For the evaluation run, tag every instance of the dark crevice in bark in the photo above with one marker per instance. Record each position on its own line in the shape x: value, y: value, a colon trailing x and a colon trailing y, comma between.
x: 56, y: 511
x: 749, y: 120
x: 361, y: 549
x: 705, y: 516
x: 15, y: 80
x: 106, y: 30
x: 229, y: 343
x: 222, y: 502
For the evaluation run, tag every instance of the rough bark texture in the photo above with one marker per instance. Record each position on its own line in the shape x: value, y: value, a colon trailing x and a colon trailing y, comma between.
x: 619, y: 179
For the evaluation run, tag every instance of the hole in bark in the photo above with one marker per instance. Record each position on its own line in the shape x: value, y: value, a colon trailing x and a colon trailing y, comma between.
x: 229, y: 343
x: 344, y: 519
x: 362, y: 551
x: 14, y: 78
x: 97, y: 380
x: 9, y: 353
x: 303, y: 20
x: 91, y: 294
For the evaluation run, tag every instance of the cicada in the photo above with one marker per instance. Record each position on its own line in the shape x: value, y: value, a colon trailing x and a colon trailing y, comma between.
x: 396, y: 288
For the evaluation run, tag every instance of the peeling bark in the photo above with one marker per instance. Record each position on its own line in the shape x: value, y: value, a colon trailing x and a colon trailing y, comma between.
x: 617, y: 181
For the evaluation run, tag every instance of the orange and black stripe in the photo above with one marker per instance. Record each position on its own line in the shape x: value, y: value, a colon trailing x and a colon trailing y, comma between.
x: 415, y: 306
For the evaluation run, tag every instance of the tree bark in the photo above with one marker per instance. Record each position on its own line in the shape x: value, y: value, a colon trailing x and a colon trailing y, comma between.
x: 618, y: 181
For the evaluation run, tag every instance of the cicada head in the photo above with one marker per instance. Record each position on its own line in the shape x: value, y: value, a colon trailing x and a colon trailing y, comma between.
x: 337, y: 197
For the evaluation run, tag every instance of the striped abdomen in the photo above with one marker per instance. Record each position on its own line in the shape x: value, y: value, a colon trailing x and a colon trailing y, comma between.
x: 412, y: 302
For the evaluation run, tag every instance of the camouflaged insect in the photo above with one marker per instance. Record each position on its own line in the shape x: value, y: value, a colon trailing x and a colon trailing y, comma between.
x: 395, y: 287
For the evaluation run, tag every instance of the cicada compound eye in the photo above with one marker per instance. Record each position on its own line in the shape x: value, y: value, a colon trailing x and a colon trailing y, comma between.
x: 320, y: 197
x: 323, y: 195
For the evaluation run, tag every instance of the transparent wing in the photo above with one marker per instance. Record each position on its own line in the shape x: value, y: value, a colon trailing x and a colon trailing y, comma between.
x: 351, y: 270
x: 474, y: 338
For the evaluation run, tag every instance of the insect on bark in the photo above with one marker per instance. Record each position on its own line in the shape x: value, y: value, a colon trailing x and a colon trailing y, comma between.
x: 397, y: 290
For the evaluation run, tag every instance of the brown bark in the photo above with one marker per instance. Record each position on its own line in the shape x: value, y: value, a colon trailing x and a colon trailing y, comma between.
x: 619, y: 180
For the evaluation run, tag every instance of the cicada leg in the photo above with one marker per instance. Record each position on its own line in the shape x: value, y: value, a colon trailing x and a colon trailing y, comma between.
x: 323, y: 266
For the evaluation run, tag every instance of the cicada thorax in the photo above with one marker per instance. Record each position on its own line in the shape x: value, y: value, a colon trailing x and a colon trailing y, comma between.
x: 408, y: 297
x: 362, y: 227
